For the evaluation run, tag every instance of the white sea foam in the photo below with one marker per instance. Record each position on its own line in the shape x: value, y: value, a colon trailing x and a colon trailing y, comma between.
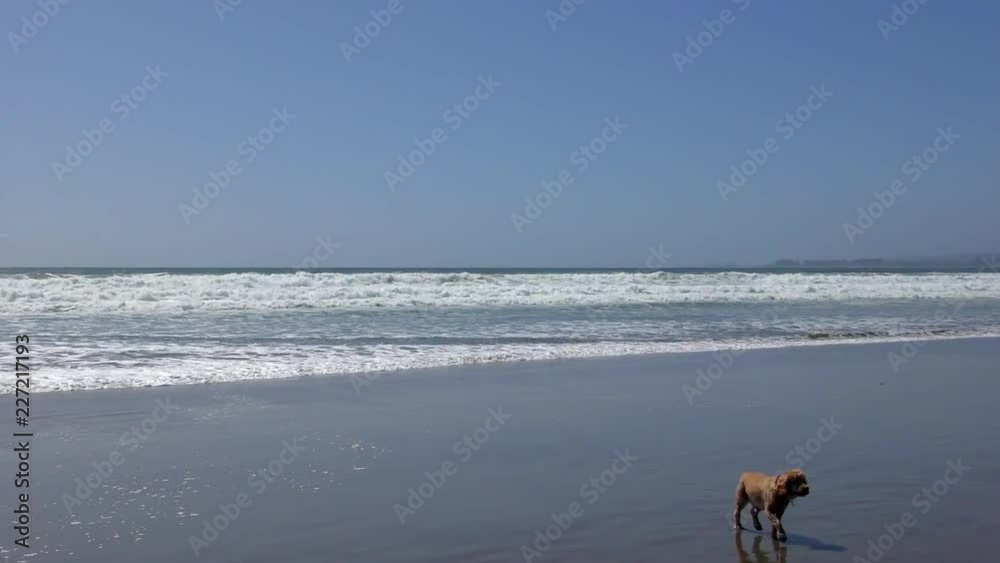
x: 134, y: 330
x: 169, y: 293
x: 261, y: 363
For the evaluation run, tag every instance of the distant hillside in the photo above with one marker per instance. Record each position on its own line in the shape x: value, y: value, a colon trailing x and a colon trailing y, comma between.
x: 962, y: 261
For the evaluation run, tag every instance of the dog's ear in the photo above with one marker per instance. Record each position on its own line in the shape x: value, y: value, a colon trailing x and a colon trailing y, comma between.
x: 781, y: 484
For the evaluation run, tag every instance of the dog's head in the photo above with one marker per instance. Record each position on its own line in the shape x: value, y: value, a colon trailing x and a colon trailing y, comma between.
x: 792, y: 483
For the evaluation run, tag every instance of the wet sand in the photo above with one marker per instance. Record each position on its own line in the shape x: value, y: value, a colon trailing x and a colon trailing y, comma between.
x: 668, y: 467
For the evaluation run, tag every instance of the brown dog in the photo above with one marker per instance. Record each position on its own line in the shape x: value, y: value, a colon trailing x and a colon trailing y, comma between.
x: 769, y: 493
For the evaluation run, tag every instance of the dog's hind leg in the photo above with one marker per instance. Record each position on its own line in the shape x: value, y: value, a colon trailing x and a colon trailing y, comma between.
x: 754, y: 511
x: 741, y: 500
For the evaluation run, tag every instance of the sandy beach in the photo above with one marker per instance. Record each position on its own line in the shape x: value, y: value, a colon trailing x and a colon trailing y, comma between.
x: 490, y: 463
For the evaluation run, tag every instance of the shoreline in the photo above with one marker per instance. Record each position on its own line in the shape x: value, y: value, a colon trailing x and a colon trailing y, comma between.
x: 541, y: 362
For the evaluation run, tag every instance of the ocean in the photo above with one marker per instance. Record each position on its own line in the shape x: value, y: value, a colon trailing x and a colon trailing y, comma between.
x: 103, y: 328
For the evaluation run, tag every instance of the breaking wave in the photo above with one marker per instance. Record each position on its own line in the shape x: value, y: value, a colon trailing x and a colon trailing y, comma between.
x: 167, y: 293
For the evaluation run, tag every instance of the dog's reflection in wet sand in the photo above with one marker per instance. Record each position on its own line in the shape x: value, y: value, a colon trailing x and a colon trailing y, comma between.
x: 779, y: 552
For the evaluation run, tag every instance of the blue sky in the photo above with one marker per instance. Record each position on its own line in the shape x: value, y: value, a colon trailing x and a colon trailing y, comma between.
x: 655, y: 184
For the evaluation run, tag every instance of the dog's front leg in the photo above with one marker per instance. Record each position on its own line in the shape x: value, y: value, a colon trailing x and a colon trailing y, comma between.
x: 777, y: 530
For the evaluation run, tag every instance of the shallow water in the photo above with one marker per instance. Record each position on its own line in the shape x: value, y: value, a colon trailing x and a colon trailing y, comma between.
x: 105, y: 330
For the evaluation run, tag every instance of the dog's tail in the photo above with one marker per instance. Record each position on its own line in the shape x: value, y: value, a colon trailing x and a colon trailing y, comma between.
x: 741, y: 491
